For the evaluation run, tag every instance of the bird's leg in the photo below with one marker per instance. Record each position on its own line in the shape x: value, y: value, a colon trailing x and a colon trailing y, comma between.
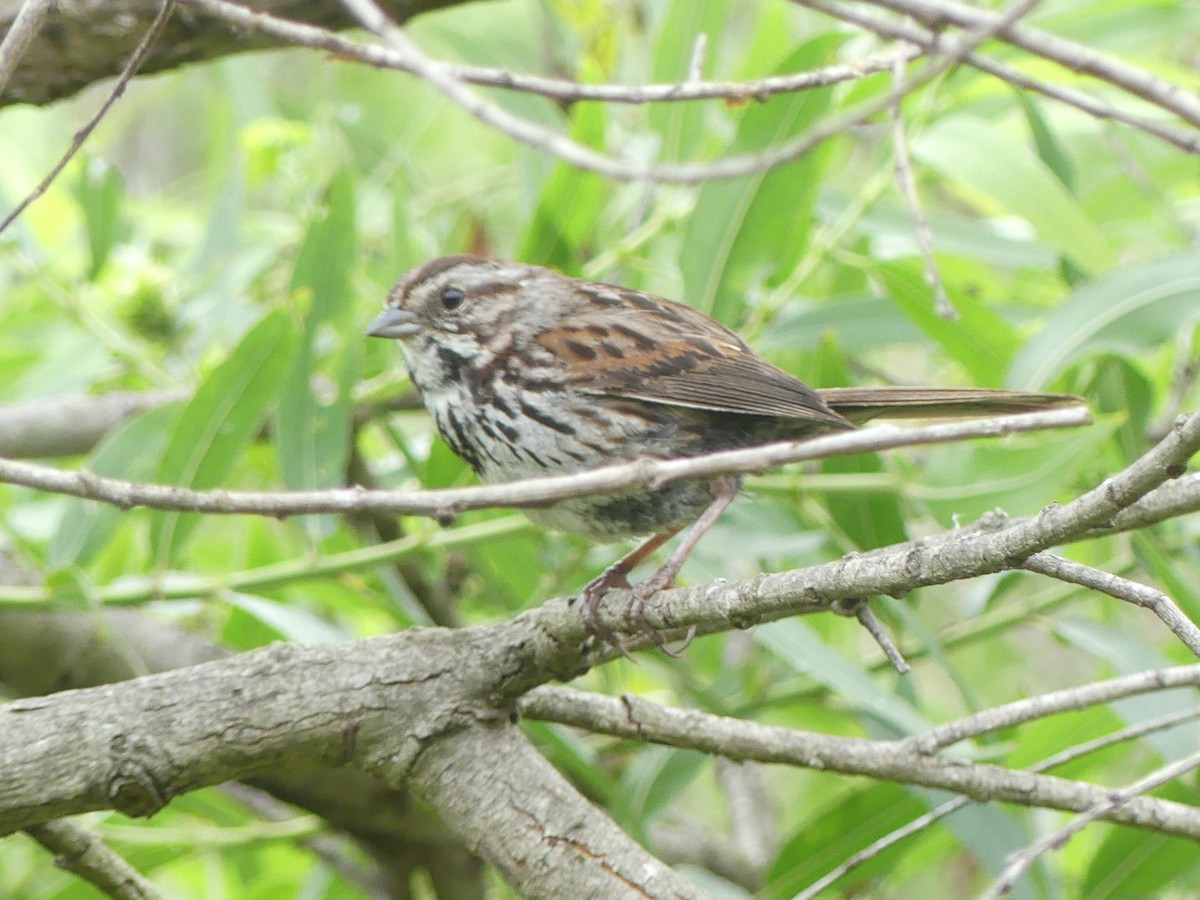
x: 724, y: 492
x: 616, y: 576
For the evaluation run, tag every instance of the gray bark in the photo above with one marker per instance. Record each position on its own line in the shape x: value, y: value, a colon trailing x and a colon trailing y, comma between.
x: 86, y: 41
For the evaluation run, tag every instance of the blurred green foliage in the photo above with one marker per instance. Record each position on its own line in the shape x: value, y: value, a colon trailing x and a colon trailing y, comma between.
x: 232, y: 227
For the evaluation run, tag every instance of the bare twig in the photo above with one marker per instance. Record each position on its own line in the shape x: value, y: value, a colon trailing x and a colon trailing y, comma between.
x: 443, y: 77
x: 18, y: 37
x: 696, y: 66
x: 135, y: 61
x: 908, y: 187
x: 1070, y: 699
x: 751, y: 812
x: 558, y: 89
x: 445, y: 504
x: 1123, y: 589
x: 918, y: 37
x: 861, y: 610
x: 81, y: 851
x: 639, y: 719
x: 1020, y: 862
x: 1074, y: 56
x: 952, y: 806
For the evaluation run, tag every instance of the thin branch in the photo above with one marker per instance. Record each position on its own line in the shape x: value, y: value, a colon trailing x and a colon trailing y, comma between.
x: 918, y: 37
x: 896, y: 570
x: 1129, y: 732
x: 952, y: 806
x: 751, y: 813
x: 1021, y: 861
x: 81, y: 851
x: 19, y: 36
x: 1067, y: 53
x: 442, y: 77
x: 1123, y: 589
x: 560, y: 90
x: 858, y: 608
x: 908, y: 187
x: 1176, y: 498
x: 135, y: 590
x: 638, y: 719
x: 1067, y: 700
x: 696, y: 66
x: 446, y: 504
x: 135, y: 61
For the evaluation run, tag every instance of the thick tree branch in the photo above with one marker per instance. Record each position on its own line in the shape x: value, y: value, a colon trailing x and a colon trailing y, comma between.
x: 86, y: 41
x: 131, y: 67
x: 71, y: 425
x: 419, y: 708
x: 45, y: 651
x: 20, y: 33
x: 492, y: 787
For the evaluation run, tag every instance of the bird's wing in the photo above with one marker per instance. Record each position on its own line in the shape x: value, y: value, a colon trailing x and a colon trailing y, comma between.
x: 649, y: 349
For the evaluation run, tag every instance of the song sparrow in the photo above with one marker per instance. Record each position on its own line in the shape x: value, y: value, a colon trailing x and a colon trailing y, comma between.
x: 528, y: 372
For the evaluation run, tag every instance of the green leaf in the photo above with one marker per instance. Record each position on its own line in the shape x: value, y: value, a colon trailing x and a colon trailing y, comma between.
x: 100, y: 195
x: 859, y: 323
x: 1120, y: 390
x: 571, y: 755
x: 132, y: 453
x: 1019, y: 474
x: 284, y: 620
x: 681, y: 126
x: 657, y: 777
x: 797, y: 644
x: 1130, y: 312
x: 1130, y: 652
x: 220, y: 421
x: 1050, y: 149
x: 825, y: 839
x: 314, y: 430
x: 869, y: 520
x: 953, y: 234
x: 1133, y: 863
x: 745, y: 230
x: 979, y: 340
x: 982, y: 156
x: 571, y: 202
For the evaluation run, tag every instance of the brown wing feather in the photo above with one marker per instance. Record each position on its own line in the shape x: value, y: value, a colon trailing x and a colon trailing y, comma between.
x: 658, y: 351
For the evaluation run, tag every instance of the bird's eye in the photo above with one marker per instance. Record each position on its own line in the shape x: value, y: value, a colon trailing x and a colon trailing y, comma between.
x: 452, y: 297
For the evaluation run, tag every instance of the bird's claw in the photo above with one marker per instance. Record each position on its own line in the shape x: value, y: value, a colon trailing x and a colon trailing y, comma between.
x: 634, y: 614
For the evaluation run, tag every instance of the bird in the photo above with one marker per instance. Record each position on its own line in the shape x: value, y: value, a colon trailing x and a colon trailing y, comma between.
x: 529, y: 372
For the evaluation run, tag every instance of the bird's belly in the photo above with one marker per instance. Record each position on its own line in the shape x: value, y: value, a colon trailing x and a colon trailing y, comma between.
x: 524, y: 437
x: 611, y: 517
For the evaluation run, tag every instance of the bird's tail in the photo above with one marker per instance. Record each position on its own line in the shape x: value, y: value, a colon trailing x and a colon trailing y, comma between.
x: 863, y: 404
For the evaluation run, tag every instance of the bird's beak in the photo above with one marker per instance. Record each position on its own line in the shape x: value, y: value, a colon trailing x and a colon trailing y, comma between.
x: 394, y: 322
